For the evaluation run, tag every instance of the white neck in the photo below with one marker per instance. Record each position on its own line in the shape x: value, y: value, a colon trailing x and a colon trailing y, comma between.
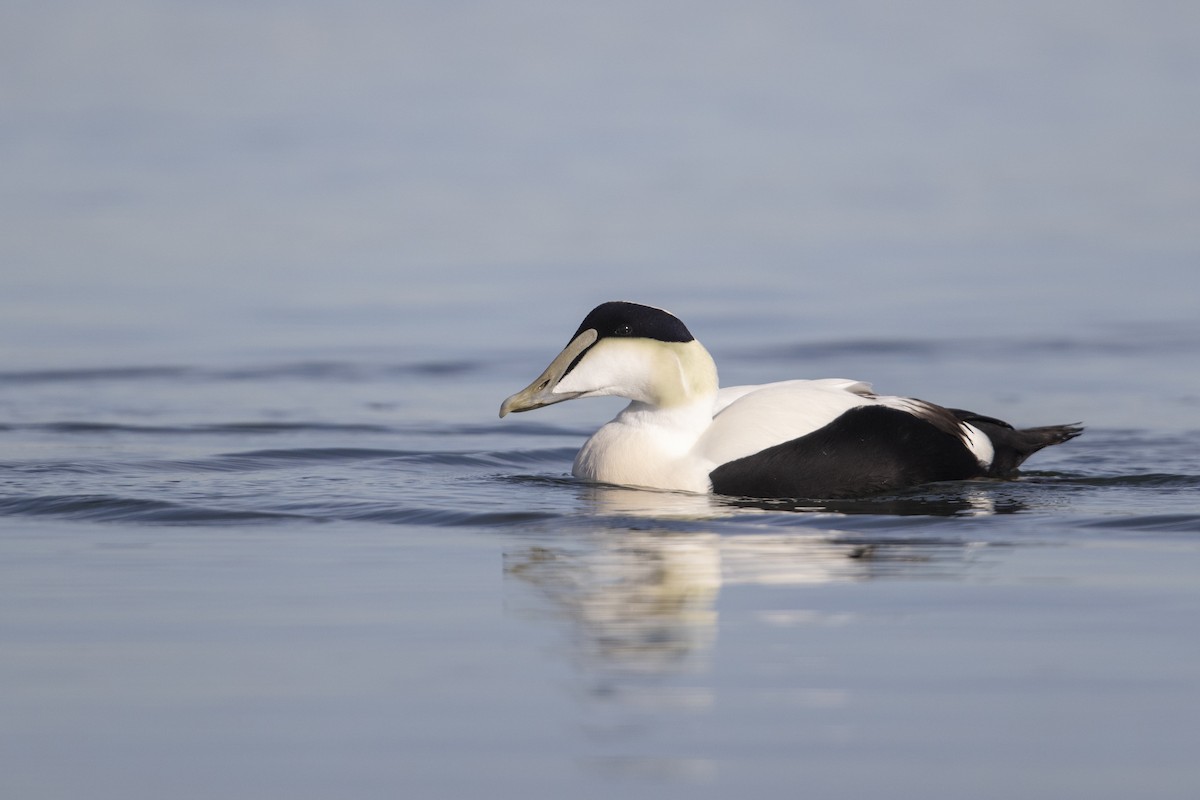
x: 673, y: 390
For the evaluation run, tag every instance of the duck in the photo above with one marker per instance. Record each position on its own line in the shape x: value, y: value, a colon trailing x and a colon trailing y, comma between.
x: 830, y: 438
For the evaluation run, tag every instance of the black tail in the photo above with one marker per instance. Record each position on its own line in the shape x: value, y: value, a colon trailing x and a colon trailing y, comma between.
x: 1014, y: 446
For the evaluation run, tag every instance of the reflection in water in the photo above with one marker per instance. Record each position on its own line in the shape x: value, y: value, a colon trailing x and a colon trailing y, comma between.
x: 645, y: 601
x: 953, y: 499
x: 641, y: 614
x: 638, y: 602
x: 609, y: 500
x: 963, y: 499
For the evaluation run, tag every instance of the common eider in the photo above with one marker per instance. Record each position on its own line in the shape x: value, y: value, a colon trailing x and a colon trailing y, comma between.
x: 810, y: 439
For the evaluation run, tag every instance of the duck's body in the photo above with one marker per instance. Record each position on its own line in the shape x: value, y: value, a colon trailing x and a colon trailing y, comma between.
x: 801, y: 438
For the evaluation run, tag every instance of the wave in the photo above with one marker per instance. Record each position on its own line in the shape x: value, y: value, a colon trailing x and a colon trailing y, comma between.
x: 94, y: 374
x: 255, y: 460
x: 274, y: 459
x: 1120, y: 343
x: 1159, y: 523
x: 1156, y: 480
x: 308, y: 370
x: 82, y: 427
x: 236, y: 428
x: 114, y: 508
x: 117, y: 508
x: 405, y: 515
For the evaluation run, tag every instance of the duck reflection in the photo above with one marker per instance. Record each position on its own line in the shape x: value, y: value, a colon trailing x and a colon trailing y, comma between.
x: 637, y: 601
x: 645, y: 601
x: 957, y: 499
x: 636, y: 597
x: 602, y: 499
x: 641, y: 619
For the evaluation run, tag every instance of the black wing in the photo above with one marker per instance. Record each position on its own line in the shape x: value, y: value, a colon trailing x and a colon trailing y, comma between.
x: 865, y: 451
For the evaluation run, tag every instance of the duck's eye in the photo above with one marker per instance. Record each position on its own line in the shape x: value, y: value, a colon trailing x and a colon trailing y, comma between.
x: 624, y: 329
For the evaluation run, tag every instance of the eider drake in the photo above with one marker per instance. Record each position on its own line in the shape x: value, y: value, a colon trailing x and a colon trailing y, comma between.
x: 809, y: 439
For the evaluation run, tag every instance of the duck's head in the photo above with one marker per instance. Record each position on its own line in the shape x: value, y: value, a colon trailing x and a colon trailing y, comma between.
x: 626, y: 350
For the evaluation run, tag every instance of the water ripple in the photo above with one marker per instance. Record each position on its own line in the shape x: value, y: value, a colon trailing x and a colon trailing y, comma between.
x: 112, y: 508
x: 95, y: 374
x: 1120, y: 343
x: 439, y: 517
x: 116, y: 508
x: 287, y: 458
x: 236, y: 428
x: 87, y: 427
x: 340, y: 371
x: 1163, y: 523
x: 1156, y: 480
x: 284, y: 458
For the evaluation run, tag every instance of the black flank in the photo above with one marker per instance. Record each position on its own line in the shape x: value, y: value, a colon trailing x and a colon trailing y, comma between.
x: 865, y: 451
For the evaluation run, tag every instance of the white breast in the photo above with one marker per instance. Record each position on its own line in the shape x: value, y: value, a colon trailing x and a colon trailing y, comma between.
x: 650, y: 447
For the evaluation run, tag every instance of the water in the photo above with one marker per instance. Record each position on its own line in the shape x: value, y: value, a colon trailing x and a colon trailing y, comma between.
x: 266, y: 274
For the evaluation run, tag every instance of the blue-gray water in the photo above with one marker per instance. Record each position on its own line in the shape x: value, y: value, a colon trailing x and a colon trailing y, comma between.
x: 267, y: 271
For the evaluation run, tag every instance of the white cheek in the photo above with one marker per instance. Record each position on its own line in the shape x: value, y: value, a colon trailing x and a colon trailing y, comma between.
x: 611, y: 367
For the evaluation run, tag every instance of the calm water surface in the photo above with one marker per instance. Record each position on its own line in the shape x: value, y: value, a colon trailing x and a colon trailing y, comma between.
x: 322, y: 593
x: 267, y: 272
